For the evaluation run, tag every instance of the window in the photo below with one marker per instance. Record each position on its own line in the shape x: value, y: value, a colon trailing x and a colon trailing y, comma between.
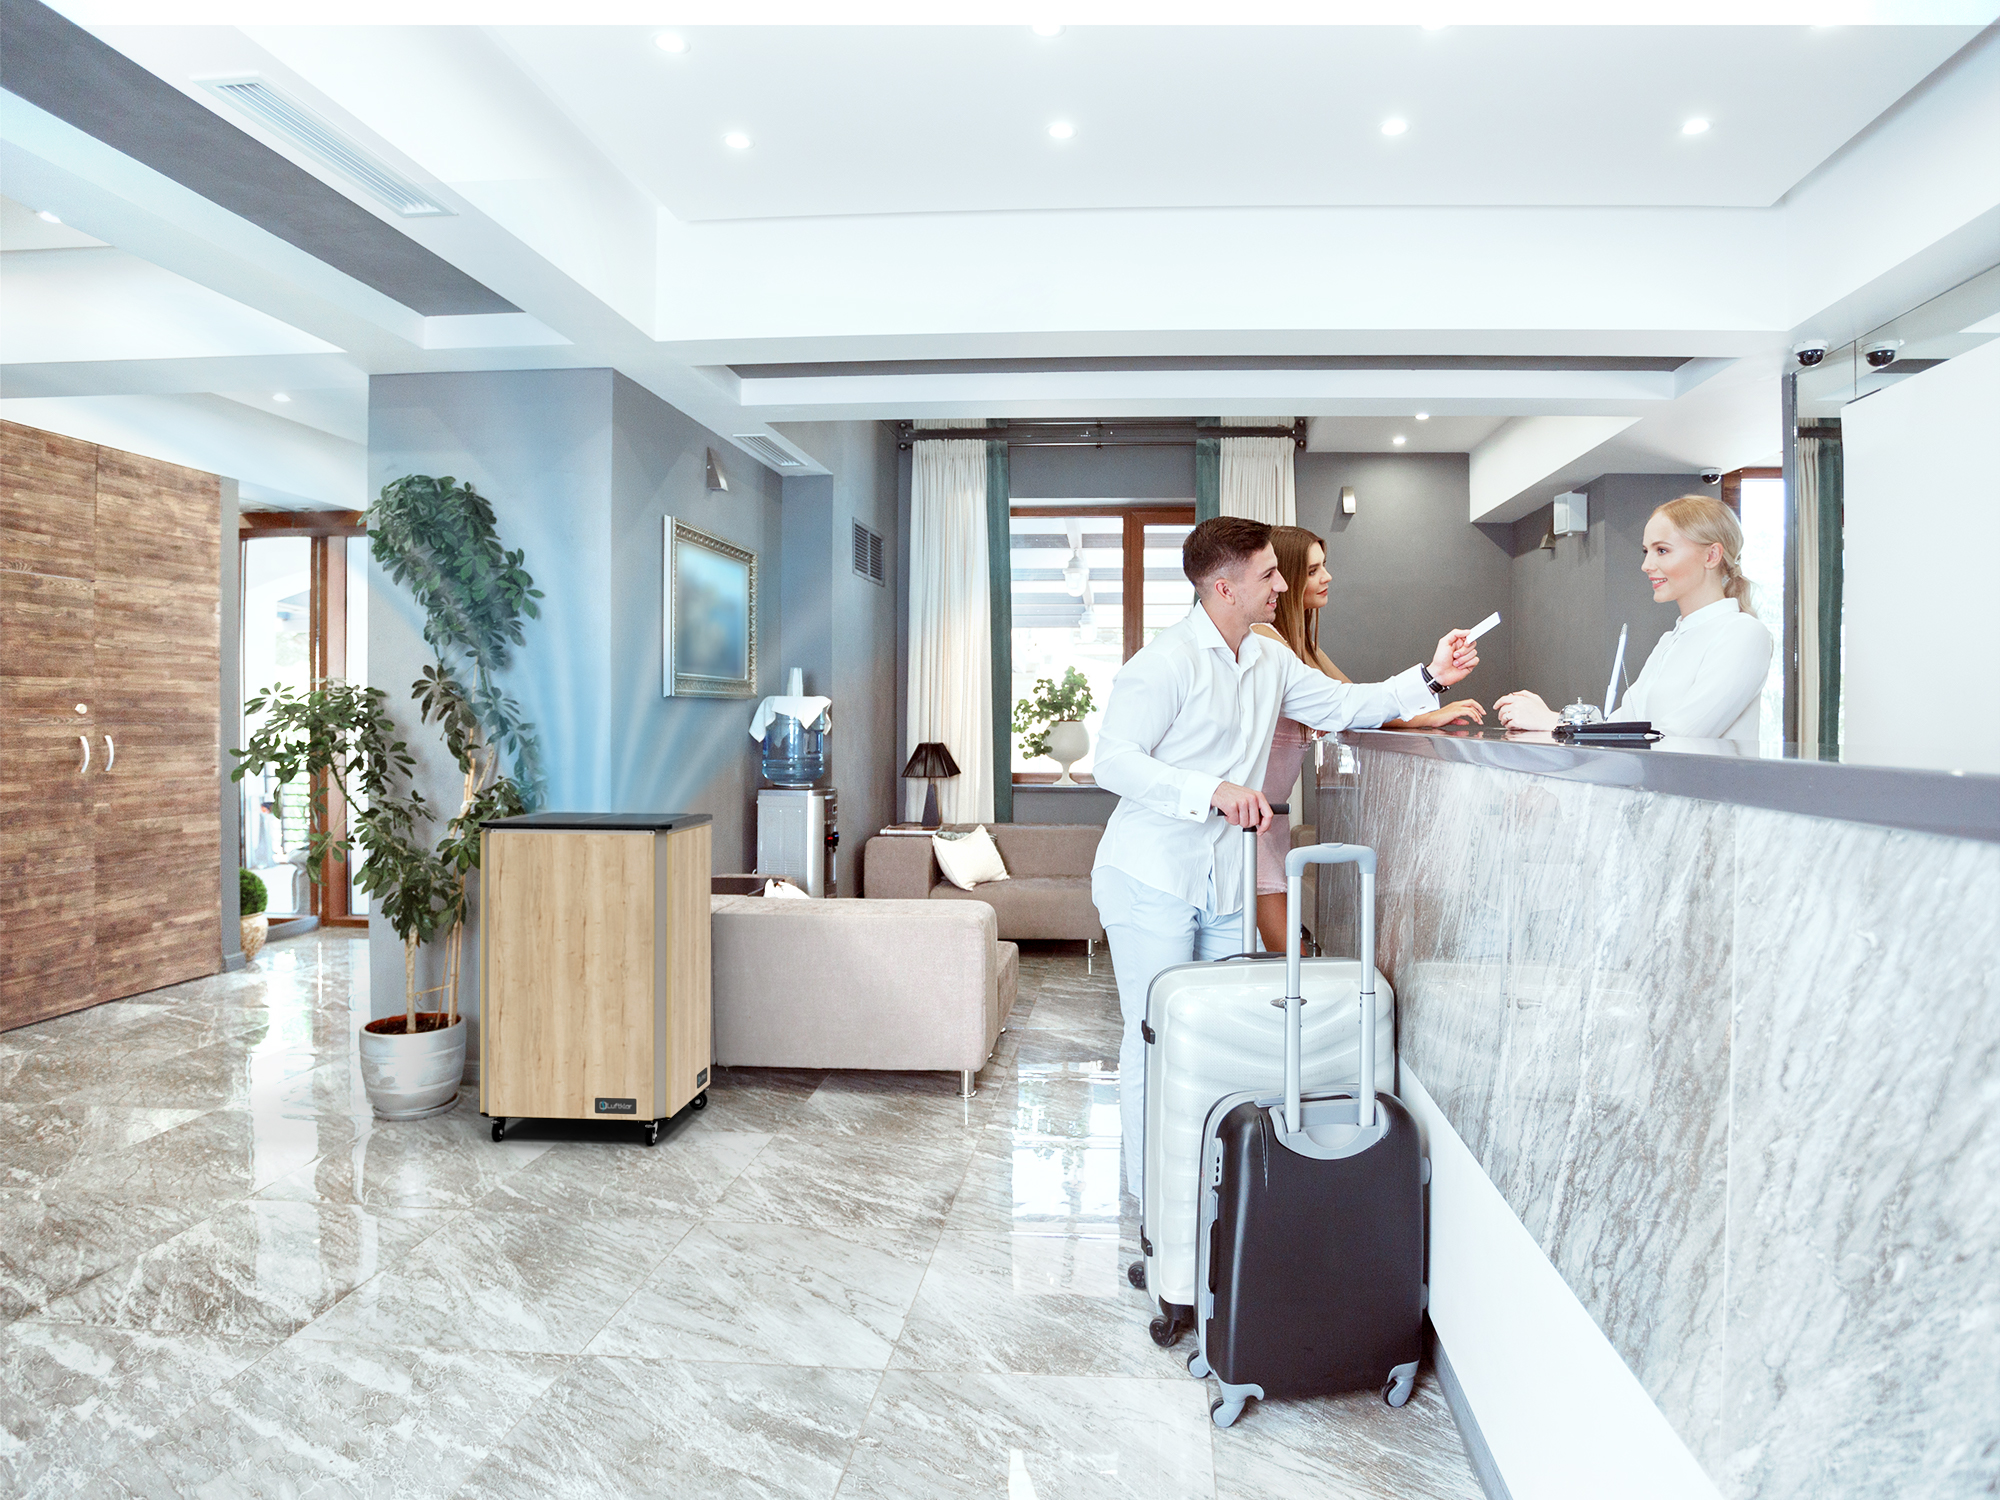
x: 1092, y: 583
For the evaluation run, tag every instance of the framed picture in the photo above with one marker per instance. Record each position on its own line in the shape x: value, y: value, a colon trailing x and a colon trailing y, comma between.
x: 710, y: 620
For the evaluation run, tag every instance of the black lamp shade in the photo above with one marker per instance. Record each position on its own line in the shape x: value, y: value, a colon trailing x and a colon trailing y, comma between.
x: 931, y: 759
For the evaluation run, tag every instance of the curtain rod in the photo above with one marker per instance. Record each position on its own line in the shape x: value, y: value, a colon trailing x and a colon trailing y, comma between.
x: 1139, y: 433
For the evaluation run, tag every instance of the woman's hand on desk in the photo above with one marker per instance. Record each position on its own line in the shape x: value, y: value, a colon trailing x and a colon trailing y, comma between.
x: 1457, y: 655
x: 1525, y: 710
x: 1244, y: 806
x: 1464, y: 711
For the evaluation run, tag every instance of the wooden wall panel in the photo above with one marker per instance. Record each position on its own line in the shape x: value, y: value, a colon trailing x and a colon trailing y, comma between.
x: 48, y: 904
x: 159, y: 656
x: 48, y: 498
x: 157, y: 523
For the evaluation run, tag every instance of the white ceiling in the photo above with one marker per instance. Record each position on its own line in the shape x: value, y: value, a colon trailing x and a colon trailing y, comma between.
x: 1437, y: 434
x: 948, y: 119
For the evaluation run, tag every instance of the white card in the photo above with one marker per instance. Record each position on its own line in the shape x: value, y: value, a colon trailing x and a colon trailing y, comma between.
x: 1483, y: 626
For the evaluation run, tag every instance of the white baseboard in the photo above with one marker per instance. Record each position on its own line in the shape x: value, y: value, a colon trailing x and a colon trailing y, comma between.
x: 1559, y: 1412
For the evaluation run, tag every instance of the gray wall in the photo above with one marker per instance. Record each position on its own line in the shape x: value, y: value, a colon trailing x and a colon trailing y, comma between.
x: 1406, y: 566
x: 841, y: 627
x: 580, y: 467
x: 1569, y: 603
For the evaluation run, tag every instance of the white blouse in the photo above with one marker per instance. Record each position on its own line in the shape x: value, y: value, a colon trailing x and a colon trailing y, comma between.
x: 1705, y: 677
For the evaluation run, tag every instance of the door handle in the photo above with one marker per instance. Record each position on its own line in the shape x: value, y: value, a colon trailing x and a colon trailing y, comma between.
x: 110, y: 753
x: 84, y: 740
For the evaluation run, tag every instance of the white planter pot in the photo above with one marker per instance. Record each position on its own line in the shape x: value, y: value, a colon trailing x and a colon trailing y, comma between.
x: 255, y: 930
x: 409, y: 1077
x: 1069, y: 742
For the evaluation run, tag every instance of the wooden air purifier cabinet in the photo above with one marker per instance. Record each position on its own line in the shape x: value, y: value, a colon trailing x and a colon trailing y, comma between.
x: 593, y: 967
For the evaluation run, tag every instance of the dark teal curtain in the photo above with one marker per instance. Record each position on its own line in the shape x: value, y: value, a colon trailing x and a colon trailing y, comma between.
x: 1207, y: 472
x: 1832, y: 577
x: 1000, y: 590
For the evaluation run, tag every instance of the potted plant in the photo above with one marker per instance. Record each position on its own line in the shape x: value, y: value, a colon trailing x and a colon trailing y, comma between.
x: 1051, y: 721
x: 438, y: 537
x: 252, y: 898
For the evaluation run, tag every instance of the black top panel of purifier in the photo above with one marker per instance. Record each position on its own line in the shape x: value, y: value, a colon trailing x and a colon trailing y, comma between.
x: 555, y: 822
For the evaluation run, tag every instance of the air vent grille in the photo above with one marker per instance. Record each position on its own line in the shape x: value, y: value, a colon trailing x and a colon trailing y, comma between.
x: 319, y: 140
x: 868, y: 553
x: 769, y: 451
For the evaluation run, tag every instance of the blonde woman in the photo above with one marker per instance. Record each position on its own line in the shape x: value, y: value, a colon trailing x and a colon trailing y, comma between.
x: 1706, y: 676
x: 1302, y: 561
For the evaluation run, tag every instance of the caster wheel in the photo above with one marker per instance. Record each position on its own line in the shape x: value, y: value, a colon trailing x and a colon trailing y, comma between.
x: 1224, y: 1414
x: 653, y: 1134
x: 1166, y: 1332
x: 499, y: 1129
x: 1136, y: 1274
x: 700, y: 1100
x: 1198, y: 1367
x: 1397, y: 1392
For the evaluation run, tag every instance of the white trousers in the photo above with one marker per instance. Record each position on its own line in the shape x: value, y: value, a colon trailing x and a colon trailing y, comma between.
x: 1150, y: 930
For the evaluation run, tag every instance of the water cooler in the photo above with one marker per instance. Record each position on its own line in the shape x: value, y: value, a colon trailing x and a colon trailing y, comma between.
x: 798, y: 826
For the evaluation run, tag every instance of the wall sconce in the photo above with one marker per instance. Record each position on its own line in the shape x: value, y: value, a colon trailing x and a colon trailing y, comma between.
x: 1572, y: 513
x: 1347, y: 499
x: 712, y: 474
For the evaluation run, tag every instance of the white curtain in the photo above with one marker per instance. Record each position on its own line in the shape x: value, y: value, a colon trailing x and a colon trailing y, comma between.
x: 1257, y: 474
x: 951, y: 627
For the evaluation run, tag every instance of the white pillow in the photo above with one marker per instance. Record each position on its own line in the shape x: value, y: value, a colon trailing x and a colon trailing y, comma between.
x: 968, y: 859
x: 783, y: 890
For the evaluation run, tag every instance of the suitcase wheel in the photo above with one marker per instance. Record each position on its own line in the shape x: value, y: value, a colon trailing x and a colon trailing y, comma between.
x: 1166, y: 1332
x: 1225, y: 1413
x: 1134, y: 1273
x: 1396, y: 1391
x: 1198, y: 1366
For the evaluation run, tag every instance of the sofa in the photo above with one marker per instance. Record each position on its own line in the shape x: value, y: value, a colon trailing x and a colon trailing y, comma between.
x: 1047, y: 894
x: 897, y: 985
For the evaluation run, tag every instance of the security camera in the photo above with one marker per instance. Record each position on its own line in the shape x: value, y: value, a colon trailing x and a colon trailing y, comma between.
x: 1881, y: 356
x: 1810, y: 353
x: 1711, y: 476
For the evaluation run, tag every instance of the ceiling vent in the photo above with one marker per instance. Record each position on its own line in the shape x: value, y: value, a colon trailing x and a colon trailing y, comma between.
x: 319, y: 140
x: 769, y: 451
x: 868, y: 554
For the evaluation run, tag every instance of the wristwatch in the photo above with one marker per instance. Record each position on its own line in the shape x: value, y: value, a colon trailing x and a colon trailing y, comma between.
x: 1436, y: 687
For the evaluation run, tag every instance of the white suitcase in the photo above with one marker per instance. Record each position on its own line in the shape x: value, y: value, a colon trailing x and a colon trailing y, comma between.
x: 1219, y: 1028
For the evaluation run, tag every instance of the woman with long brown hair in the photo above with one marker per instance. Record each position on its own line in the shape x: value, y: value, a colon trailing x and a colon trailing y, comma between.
x: 1302, y: 559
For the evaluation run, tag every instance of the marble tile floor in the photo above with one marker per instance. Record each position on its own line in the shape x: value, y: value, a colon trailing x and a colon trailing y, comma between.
x: 220, y: 1276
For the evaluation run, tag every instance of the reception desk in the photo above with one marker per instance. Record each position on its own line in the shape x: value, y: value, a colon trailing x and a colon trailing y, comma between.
x: 1709, y: 1050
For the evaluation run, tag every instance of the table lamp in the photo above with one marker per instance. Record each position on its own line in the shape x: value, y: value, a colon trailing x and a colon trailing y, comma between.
x: 931, y: 760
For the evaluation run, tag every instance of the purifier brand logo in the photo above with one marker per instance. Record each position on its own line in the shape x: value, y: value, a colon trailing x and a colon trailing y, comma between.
x: 701, y: 1079
x: 618, y: 1106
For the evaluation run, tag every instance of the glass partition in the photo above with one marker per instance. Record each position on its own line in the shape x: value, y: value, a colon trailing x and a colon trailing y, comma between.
x: 277, y: 608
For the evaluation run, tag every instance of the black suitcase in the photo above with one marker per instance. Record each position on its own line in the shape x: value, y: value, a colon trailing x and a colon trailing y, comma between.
x: 1311, y: 1278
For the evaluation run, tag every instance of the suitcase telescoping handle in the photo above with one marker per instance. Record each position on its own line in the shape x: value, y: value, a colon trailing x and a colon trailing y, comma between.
x: 1250, y: 882
x: 1361, y: 856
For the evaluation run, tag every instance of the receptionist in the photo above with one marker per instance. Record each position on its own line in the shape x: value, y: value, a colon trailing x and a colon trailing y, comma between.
x: 1706, y: 676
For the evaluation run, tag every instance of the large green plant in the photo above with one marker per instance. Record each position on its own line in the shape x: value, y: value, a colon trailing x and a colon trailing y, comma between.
x: 1051, y: 703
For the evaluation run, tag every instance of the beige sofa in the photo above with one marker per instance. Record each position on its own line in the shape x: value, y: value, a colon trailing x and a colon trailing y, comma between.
x: 1047, y: 894
x: 900, y: 985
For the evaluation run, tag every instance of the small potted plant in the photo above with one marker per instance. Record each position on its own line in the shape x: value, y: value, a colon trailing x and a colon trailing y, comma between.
x: 252, y: 898
x: 1051, y: 721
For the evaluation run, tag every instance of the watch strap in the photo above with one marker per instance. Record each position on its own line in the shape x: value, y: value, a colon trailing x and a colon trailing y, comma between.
x: 1436, y: 688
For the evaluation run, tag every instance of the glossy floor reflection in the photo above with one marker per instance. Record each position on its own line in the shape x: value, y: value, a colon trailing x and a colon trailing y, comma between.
x: 219, y: 1275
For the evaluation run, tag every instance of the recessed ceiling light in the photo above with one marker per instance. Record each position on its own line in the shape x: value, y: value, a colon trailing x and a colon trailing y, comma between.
x: 1423, y: 416
x: 1047, y: 28
x: 279, y: 396
x: 48, y: 218
x: 736, y: 140
x: 668, y: 41
x: 1695, y: 126
x: 1399, y: 440
x: 1394, y: 126
x: 1062, y: 130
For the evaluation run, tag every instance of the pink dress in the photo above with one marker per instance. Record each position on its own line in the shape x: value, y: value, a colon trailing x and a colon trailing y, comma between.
x: 1288, y: 755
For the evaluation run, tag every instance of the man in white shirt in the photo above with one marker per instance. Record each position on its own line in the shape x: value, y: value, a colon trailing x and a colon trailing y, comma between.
x: 1186, y: 733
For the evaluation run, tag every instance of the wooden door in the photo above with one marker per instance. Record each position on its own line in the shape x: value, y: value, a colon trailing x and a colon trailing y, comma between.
x: 47, y: 644
x: 156, y: 810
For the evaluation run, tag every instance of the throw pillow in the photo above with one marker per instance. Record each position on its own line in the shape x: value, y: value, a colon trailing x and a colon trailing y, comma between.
x: 783, y: 890
x: 969, y: 859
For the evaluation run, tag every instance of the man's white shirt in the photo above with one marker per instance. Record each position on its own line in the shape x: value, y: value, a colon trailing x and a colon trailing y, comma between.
x: 1185, y: 716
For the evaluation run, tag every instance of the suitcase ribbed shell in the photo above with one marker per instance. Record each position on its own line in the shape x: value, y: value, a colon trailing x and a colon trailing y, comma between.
x: 1216, y: 1032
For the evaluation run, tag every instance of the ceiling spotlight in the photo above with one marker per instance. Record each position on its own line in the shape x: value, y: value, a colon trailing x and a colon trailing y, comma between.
x: 48, y: 218
x: 1394, y: 126
x: 736, y: 140
x: 1423, y: 416
x: 1695, y: 126
x: 279, y: 396
x: 1047, y: 28
x: 1062, y: 130
x: 668, y: 41
x: 1399, y: 440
